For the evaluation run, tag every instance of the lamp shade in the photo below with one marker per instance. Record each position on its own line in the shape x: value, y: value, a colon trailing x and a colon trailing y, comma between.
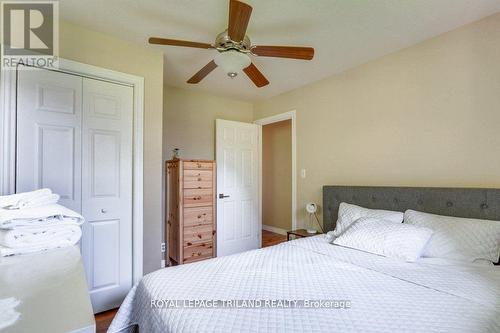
x: 232, y: 62
x: 311, y: 208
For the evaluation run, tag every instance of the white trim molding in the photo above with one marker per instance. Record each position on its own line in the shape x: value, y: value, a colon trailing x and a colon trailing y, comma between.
x: 276, y: 230
x: 290, y: 115
x: 8, y: 140
x: 7, y: 131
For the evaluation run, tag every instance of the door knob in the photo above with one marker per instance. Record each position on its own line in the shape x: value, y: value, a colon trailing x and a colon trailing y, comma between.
x: 222, y: 196
x: 104, y: 211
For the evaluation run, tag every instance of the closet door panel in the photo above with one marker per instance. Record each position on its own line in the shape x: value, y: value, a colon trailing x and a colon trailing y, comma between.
x: 107, y: 191
x: 74, y: 135
x: 105, y: 163
x: 49, y: 117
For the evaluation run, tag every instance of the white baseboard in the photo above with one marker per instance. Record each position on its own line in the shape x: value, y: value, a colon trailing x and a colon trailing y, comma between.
x: 274, y: 229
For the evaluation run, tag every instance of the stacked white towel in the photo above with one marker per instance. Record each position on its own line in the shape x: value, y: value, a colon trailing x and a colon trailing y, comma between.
x: 29, y: 199
x: 34, y: 222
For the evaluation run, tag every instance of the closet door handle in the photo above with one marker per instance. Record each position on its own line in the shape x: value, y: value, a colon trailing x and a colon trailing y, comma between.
x: 222, y: 196
x: 104, y: 211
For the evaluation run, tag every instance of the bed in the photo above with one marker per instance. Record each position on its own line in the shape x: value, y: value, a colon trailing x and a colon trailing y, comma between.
x: 339, y: 289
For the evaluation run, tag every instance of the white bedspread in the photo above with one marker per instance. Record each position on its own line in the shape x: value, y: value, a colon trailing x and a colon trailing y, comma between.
x: 386, y: 295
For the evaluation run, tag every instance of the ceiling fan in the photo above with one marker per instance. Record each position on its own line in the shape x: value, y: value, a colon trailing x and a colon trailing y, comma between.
x: 234, y: 48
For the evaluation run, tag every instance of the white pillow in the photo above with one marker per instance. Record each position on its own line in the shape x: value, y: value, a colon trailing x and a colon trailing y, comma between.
x: 459, y: 238
x: 453, y: 262
x: 349, y: 213
x: 386, y: 238
x: 329, y: 237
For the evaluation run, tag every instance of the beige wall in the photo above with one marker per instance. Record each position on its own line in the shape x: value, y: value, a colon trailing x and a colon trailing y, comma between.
x: 277, y: 175
x: 428, y: 115
x: 86, y: 46
x: 189, y: 120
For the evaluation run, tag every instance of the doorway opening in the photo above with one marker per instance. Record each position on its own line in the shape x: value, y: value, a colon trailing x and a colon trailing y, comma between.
x: 277, y: 177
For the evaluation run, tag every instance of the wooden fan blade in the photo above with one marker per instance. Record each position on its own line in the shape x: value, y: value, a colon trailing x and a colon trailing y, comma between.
x: 175, y: 42
x: 256, y: 76
x: 203, y: 72
x: 292, y: 52
x: 239, y: 15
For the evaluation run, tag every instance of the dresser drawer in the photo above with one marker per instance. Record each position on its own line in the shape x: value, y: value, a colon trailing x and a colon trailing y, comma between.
x: 199, y: 234
x: 198, y: 178
x: 198, y: 216
x: 198, y: 165
x: 198, y: 197
x: 198, y: 252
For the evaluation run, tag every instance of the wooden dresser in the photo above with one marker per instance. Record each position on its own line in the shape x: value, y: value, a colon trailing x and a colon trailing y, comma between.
x: 190, y: 210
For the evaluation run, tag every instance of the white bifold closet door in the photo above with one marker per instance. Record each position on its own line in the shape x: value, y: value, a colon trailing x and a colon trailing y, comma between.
x: 74, y: 135
x: 49, y: 134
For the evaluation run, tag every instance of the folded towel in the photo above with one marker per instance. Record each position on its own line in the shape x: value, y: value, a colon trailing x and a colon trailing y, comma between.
x: 37, y: 216
x: 59, y: 242
x: 24, y: 237
x: 28, y: 199
x: 36, y: 202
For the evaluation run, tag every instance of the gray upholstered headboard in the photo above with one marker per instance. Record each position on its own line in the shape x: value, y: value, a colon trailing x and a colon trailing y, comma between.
x: 460, y: 202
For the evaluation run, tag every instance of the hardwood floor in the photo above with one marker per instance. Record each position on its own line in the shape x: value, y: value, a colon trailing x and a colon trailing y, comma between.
x: 270, y: 238
x: 104, y: 319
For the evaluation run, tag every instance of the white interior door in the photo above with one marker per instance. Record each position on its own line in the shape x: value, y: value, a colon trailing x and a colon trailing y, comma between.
x: 107, y: 191
x: 74, y: 135
x: 49, y: 117
x: 238, y: 217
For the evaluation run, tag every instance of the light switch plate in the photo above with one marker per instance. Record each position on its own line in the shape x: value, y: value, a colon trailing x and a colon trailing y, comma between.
x: 303, y: 173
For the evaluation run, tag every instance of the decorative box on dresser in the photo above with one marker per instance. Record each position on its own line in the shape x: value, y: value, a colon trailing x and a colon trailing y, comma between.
x: 190, y: 210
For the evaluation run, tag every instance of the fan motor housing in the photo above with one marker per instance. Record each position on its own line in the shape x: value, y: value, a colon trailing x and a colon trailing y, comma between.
x: 224, y: 43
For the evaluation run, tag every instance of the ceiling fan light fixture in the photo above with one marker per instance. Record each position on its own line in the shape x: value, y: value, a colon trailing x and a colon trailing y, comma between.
x: 235, y: 48
x: 232, y: 62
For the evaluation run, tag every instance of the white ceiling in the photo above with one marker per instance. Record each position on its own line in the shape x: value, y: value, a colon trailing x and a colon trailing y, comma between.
x: 345, y: 33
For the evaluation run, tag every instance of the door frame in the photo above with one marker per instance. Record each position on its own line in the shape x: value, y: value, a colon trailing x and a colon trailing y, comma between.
x: 8, y: 94
x: 290, y: 115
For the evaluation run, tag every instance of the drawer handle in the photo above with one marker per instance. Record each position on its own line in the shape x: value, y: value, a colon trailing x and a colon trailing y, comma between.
x: 199, y: 179
x: 199, y: 216
x: 198, y: 165
x: 199, y: 253
x: 199, y: 236
x: 197, y: 198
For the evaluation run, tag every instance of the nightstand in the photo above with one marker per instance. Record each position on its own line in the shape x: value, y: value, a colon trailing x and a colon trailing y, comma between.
x: 300, y: 233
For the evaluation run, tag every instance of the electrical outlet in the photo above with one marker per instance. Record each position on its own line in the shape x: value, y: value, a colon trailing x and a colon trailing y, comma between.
x: 162, y: 247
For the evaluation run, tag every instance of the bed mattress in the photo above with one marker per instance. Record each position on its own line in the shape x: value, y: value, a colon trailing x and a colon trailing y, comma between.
x: 379, y: 294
